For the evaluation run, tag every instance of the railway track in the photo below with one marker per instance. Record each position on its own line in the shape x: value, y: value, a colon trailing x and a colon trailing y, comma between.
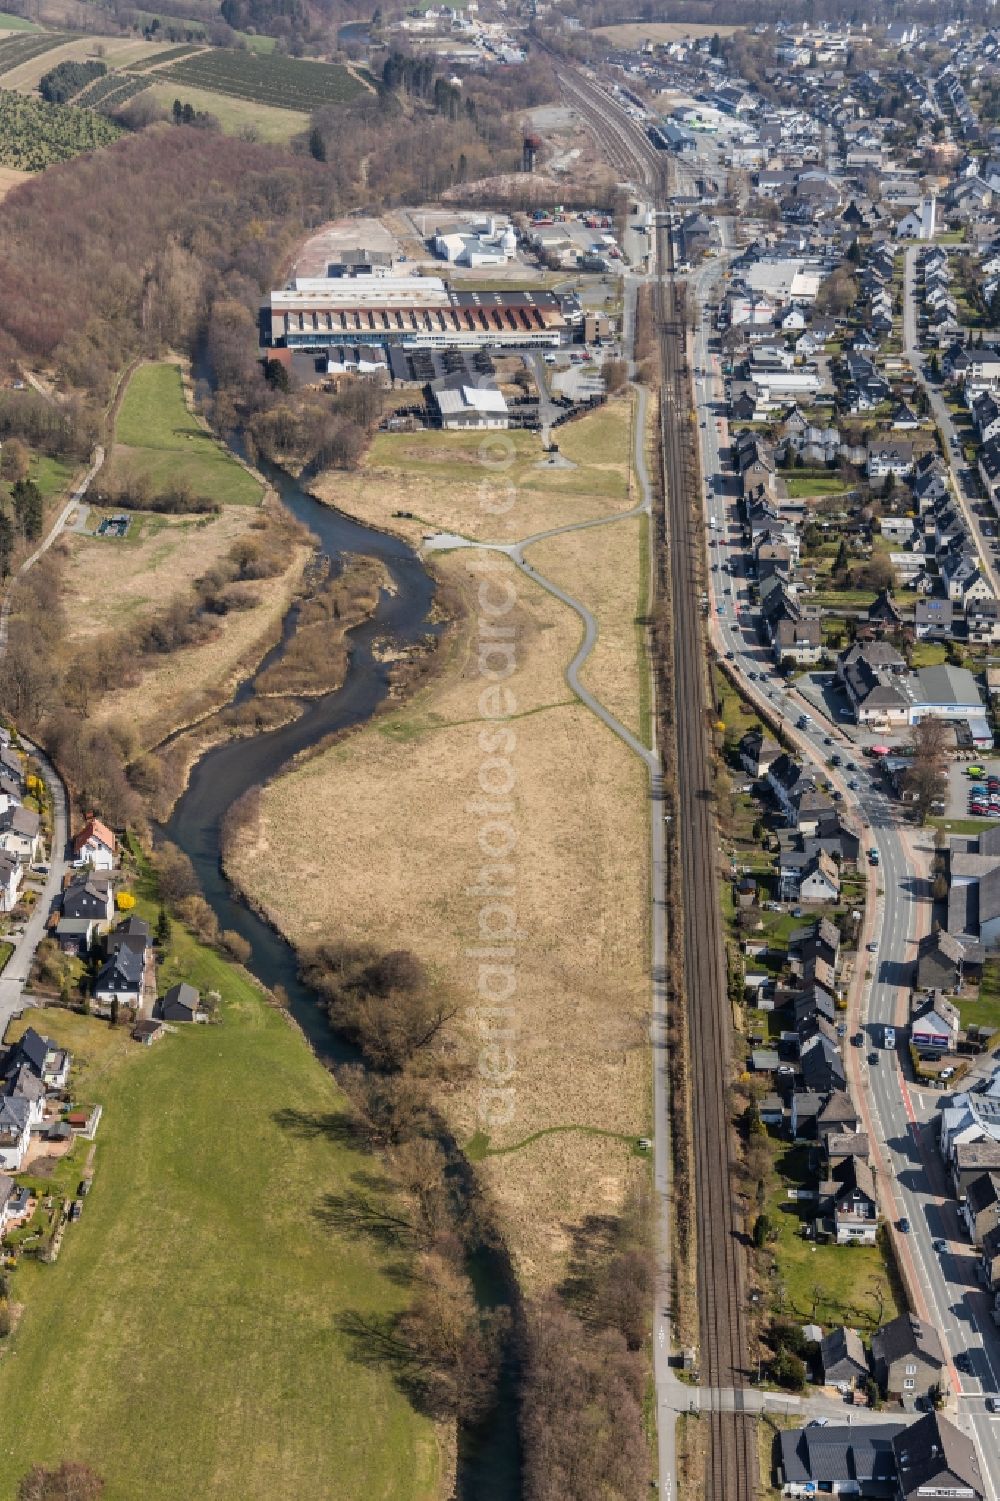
x: 732, y: 1465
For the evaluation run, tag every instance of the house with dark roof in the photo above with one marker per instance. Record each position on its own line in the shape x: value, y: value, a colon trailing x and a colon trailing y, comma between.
x: 15, y: 1131
x: 89, y: 896
x: 842, y: 1357
x: 981, y: 1210
x: 907, y: 1357
x: 757, y: 751
x: 848, y: 1207
x: 875, y: 678
x: 934, y: 1458
x: 121, y: 977
x: 181, y: 1003
x: 46, y: 1059
x: 834, y: 1459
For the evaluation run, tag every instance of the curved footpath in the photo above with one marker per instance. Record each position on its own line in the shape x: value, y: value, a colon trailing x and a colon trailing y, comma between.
x: 672, y: 1396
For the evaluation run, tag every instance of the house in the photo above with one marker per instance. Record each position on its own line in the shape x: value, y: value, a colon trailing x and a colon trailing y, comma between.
x: 848, y: 1208
x: 45, y: 1058
x: 75, y: 935
x: 941, y: 960
x: 757, y: 752
x: 875, y: 679
x: 838, y: 1459
x: 15, y: 1131
x: 842, y: 1357
x: 821, y: 1064
x: 132, y: 930
x: 22, y: 1084
x: 837, y: 1116
x: 806, y: 1105
x: 934, y: 1458
x: 907, y: 1357
x: 982, y: 621
x: 121, y: 977
x: 94, y: 845
x: 883, y: 615
x: 20, y: 834
x: 887, y: 457
x: 935, y: 1028
x: 180, y: 1004
x: 989, y: 1265
x: 7, y: 1196
x: 820, y: 880
x: 800, y: 641
x: 969, y: 1160
x: 932, y: 619
x: 11, y: 871
x: 89, y: 896
x: 981, y: 1209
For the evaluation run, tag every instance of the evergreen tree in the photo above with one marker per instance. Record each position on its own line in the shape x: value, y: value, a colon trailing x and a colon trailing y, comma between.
x: 163, y: 927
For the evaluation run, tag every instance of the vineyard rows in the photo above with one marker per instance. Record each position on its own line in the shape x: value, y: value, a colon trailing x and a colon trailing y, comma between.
x: 284, y: 82
x: 34, y: 134
x: 169, y: 54
x: 111, y: 93
x: 24, y: 45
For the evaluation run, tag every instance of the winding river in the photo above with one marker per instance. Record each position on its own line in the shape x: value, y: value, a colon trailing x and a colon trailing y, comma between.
x: 489, y: 1456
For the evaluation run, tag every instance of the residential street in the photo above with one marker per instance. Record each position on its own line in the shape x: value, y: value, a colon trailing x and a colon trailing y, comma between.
x: 19, y: 965
x: 901, y: 1119
x: 942, y: 416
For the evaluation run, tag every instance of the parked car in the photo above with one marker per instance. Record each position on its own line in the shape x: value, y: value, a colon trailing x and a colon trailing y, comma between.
x: 858, y: 1039
x: 940, y: 1245
x: 904, y: 1226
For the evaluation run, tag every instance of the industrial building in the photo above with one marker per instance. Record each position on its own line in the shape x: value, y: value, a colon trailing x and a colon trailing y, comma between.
x: 415, y: 312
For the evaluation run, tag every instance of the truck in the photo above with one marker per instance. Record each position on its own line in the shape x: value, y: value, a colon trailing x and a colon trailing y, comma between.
x: 889, y: 1037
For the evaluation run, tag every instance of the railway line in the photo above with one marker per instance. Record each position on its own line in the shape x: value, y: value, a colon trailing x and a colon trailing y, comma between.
x: 732, y: 1465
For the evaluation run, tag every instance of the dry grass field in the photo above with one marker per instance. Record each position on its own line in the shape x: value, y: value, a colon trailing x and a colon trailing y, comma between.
x: 604, y: 567
x: 494, y: 487
x: 634, y: 33
x: 185, y: 683
x: 11, y: 178
x: 401, y: 870
x: 115, y: 582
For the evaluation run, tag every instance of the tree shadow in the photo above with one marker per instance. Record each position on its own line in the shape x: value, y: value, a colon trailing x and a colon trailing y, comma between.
x: 592, y: 1243
x: 337, y: 1125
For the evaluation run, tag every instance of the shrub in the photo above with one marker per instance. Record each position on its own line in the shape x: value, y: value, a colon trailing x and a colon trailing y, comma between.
x: 124, y: 901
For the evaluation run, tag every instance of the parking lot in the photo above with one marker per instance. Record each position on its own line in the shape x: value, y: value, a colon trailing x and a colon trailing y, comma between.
x: 963, y: 789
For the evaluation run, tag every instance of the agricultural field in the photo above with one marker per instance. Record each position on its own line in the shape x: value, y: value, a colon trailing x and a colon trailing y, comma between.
x: 21, y: 48
x: 167, y: 55
x: 270, y: 125
x: 203, y: 1281
x: 34, y: 135
x: 284, y: 82
x: 16, y: 23
x: 157, y: 434
x: 111, y: 92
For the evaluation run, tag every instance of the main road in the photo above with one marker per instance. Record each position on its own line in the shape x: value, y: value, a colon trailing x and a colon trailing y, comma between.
x: 900, y: 1115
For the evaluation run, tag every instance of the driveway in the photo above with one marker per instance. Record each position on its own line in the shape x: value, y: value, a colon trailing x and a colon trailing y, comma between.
x: 12, y: 981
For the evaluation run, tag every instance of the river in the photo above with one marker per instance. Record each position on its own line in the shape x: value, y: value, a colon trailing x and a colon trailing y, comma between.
x: 489, y: 1458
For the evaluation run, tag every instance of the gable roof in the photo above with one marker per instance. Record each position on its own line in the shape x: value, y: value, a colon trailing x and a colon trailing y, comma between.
x: 930, y: 1447
x: 907, y: 1335
x: 34, y: 1049
x: 94, y: 829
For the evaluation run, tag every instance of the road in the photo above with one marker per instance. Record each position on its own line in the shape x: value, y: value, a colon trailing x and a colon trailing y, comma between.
x: 963, y: 488
x: 18, y: 967
x: 97, y: 459
x: 901, y: 1118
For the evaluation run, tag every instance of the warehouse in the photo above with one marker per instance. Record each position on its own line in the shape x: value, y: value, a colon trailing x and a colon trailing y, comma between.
x: 415, y: 312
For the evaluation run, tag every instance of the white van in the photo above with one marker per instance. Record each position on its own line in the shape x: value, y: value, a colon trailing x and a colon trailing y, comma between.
x: 890, y: 1037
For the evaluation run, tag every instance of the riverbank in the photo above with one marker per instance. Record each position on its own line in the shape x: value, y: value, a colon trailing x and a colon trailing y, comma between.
x: 404, y: 865
x: 206, y: 1278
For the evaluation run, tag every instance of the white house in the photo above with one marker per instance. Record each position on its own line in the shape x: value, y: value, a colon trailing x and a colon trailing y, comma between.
x: 94, y: 845
x: 10, y: 882
x: 15, y: 1131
